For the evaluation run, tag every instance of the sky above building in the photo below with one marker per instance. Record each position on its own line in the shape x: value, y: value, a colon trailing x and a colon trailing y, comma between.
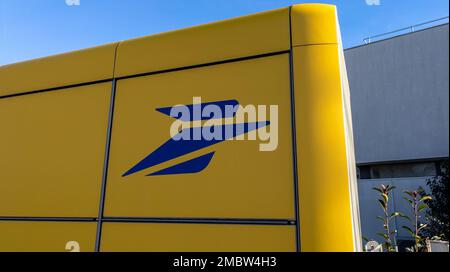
x: 37, y: 28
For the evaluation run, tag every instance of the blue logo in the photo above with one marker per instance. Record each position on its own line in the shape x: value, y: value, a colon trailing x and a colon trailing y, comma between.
x: 179, y: 145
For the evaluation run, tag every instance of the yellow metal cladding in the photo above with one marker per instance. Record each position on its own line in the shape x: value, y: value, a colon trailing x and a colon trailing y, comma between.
x: 240, y: 37
x: 325, y: 202
x: 314, y: 24
x: 240, y: 182
x: 61, y: 70
x: 52, y: 148
x: 52, y: 144
x: 47, y: 236
x: 196, y: 237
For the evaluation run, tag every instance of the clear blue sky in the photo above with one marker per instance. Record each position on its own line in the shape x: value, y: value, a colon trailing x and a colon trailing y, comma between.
x: 36, y: 28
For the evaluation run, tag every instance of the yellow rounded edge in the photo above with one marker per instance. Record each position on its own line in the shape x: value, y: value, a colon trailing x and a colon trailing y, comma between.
x: 314, y: 24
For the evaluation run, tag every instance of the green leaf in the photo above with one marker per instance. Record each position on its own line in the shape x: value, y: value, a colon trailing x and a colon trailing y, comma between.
x: 385, y: 198
x: 382, y: 203
x: 425, y: 198
x: 380, y: 218
x: 384, y: 235
x: 409, y: 193
x: 390, y: 188
x: 422, y: 226
x: 422, y: 207
x: 409, y: 230
x: 405, y: 217
x: 378, y: 190
x: 409, y: 200
x: 394, y: 214
x: 436, y: 238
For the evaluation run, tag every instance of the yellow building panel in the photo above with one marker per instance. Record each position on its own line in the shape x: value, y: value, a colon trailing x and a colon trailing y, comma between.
x: 313, y: 24
x: 47, y: 236
x: 52, y: 147
x: 150, y: 237
x: 52, y: 144
x: 60, y: 70
x: 240, y: 181
x: 240, y: 37
x: 324, y: 194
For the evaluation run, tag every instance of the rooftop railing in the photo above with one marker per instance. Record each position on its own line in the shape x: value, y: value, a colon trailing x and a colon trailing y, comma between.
x: 406, y: 30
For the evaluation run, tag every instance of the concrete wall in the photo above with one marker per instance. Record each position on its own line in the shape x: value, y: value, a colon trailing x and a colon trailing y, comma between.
x: 400, y: 97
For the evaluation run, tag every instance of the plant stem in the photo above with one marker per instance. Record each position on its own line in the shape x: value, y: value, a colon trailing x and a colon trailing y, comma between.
x: 416, y: 220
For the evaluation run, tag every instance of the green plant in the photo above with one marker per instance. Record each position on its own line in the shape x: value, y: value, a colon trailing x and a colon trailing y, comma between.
x: 384, y: 191
x: 438, y: 213
x: 416, y: 199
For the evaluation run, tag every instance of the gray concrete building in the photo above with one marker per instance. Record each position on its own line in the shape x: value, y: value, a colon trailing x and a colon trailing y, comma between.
x: 400, y: 102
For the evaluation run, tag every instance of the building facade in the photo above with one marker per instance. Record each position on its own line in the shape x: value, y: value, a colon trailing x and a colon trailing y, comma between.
x: 400, y: 102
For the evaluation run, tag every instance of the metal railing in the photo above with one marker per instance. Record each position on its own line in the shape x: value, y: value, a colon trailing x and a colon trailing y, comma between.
x: 406, y: 30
